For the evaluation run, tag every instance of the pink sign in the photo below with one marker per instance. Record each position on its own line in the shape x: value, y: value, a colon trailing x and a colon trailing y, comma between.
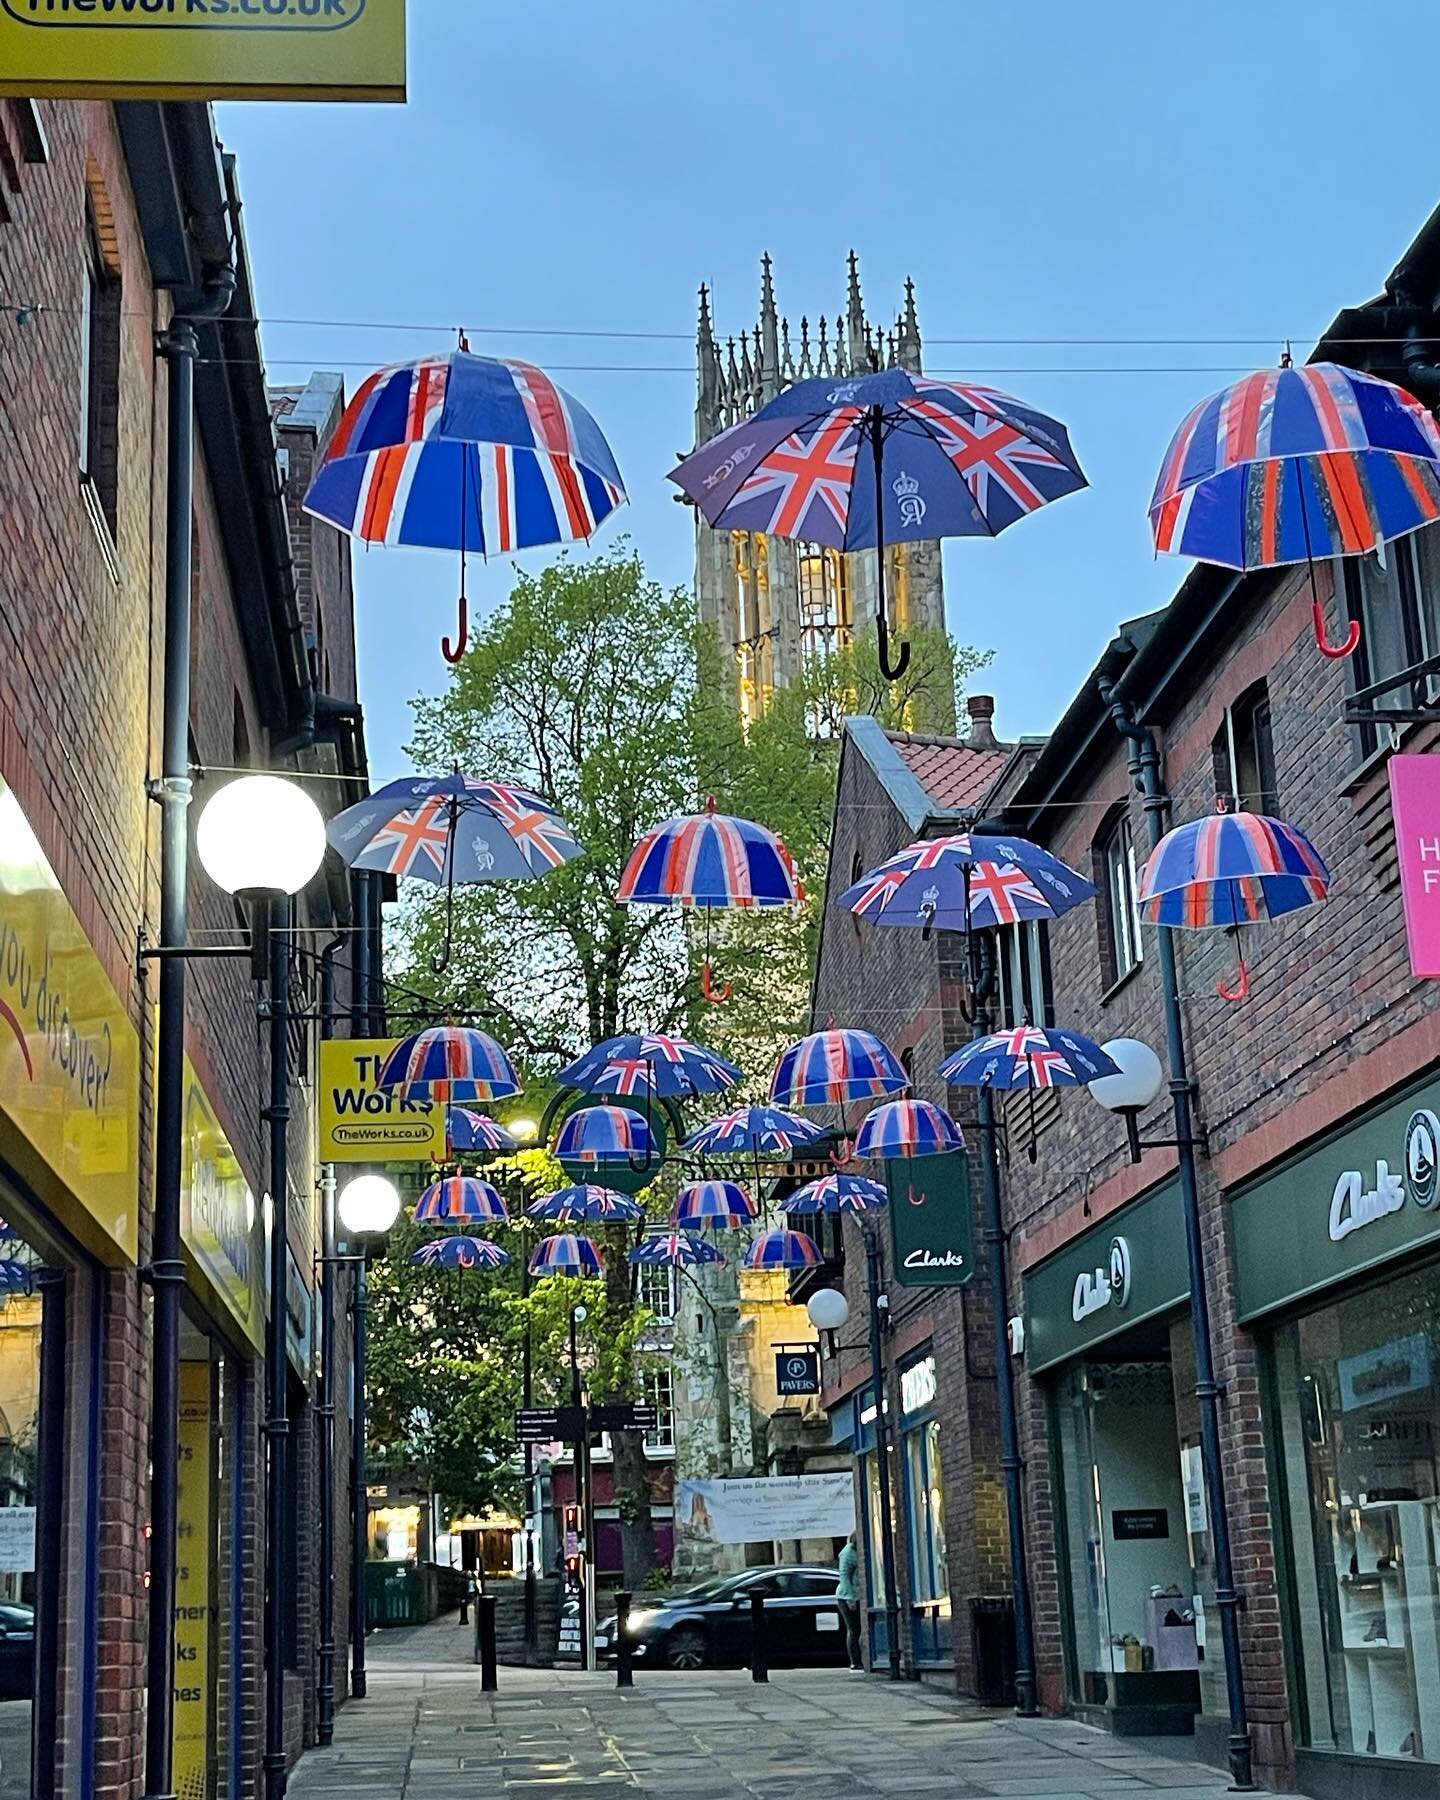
x: 1415, y: 801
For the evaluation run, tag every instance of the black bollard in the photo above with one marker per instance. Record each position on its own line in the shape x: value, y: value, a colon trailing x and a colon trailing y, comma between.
x: 485, y: 1640
x: 465, y: 1603
x: 759, y: 1663
x: 624, y: 1674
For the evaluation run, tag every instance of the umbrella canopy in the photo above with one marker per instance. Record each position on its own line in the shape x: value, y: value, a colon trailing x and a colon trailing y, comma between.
x: 586, y: 1202
x: 466, y: 453
x: 448, y: 1062
x: 449, y: 828
x: 836, y: 1065
x: 783, y: 1250
x: 15, y: 1277
x: 605, y: 1134
x: 649, y: 1063
x: 837, y: 1194
x: 712, y: 861
x: 722, y: 1204
x: 756, y: 1130
x: 472, y: 1133
x: 675, y: 1250
x: 458, y: 1199
x: 907, y: 1128
x: 954, y: 883
x: 461, y: 1253
x: 1030, y: 1056
x: 940, y: 459
x: 566, y: 1254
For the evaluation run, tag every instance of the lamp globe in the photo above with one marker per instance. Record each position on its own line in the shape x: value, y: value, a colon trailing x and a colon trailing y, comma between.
x: 1140, y: 1079
x: 261, y: 837
x: 368, y: 1206
x: 828, y: 1309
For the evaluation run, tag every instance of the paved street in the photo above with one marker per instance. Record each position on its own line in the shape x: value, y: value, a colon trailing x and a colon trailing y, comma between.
x: 426, y: 1733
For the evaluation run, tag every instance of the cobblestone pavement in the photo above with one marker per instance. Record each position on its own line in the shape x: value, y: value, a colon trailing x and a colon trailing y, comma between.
x: 425, y: 1732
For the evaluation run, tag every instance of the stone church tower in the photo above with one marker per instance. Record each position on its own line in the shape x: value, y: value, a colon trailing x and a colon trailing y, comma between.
x: 773, y: 602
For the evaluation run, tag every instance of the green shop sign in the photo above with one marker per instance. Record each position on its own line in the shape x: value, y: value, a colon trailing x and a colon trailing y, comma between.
x: 931, y: 1241
x: 1362, y: 1197
x: 1117, y: 1275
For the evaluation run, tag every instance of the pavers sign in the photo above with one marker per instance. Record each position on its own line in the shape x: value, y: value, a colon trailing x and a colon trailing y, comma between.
x: 203, y: 49
x: 359, y: 1123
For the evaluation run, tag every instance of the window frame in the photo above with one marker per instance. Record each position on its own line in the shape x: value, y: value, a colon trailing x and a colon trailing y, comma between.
x: 1122, y: 941
x: 1248, y: 716
x: 657, y: 1389
x: 1022, y: 954
x: 649, y: 1276
x: 1420, y: 630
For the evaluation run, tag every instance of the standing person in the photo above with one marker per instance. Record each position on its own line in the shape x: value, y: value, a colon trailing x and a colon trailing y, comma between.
x: 848, y: 1594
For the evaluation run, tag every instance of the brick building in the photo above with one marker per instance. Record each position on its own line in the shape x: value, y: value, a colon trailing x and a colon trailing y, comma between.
x: 1318, y: 1102
x: 110, y: 218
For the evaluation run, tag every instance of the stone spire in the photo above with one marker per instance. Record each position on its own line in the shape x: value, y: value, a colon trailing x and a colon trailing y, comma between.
x: 707, y: 358
x: 856, y: 336
x: 769, y: 356
x: 909, y: 339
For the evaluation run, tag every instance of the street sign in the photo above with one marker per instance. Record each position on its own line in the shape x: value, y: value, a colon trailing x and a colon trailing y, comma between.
x: 797, y: 1372
x: 550, y: 1424
x: 361, y: 1123
x: 624, y: 1418
x: 930, y: 1232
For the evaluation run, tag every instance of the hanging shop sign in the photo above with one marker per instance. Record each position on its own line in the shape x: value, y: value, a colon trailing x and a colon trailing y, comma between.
x: 1415, y: 805
x: 194, y: 1609
x: 203, y: 49
x: 768, y: 1507
x: 1351, y: 1204
x: 1110, y: 1278
x: 361, y: 1123
x: 797, y: 1371
x: 930, y: 1231
x: 220, y: 1224
x: 69, y: 1054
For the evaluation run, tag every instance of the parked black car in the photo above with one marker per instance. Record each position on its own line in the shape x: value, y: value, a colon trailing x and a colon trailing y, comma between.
x: 17, y: 1650
x: 709, y: 1626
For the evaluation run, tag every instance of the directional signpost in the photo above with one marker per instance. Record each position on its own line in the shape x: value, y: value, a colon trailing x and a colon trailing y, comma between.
x: 550, y: 1424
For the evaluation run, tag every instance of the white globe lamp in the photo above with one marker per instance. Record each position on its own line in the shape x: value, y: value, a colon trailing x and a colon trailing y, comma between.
x: 828, y: 1309
x: 1140, y: 1079
x: 260, y: 837
x: 368, y: 1206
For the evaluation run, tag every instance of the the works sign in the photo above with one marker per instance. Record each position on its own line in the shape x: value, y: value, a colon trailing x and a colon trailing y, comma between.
x: 203, y: 49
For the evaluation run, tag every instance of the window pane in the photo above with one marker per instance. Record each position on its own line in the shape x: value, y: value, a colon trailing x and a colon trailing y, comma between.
x: 1121, y: 890
x: 1382, y: 618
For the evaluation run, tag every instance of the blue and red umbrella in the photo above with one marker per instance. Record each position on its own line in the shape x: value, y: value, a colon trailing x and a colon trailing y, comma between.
x: 605, y: 1134
x: 448, y: 1063
x: 836, y: 1065
x: 1229, y: 870
x: 1031, y: 1056
x: 723, y: 1205
x: 460, y: 1199
x: 472, y: 1133
x: 837, y: 1193
x: 783, y: 1249
x: 650, y: 1063
x: 907, y: 1128
x: 567, y: 1254
x: 967, y: 880
x: 461, y: 1253
x: 674, y: 1250
x: 586, y: 1203
x: 1289, y: 464
x: 762, y: 1131
x: 466, y: 453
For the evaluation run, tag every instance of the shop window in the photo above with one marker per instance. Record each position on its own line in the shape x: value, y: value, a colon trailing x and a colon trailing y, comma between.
x: 1117, y: 877
x: 99, y: 376
x: 1022, y: 958
x: 925, y: 1496
x: 1359, y: 1453
x: 657, y: 1388
x: 655, y: 1291
x: 1398, y: 609
x: 1244, y: 755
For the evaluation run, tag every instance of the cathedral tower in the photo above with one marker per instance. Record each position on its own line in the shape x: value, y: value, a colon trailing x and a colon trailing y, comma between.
x: 772, y: 602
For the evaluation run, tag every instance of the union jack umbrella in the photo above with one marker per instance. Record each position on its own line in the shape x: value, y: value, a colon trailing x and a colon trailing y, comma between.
x: 782, y: 1249
x: 605, y: 1134
x: 458, y: 1199
x: 649, y: 1063
x: 472, y: 1133
x: 1289, y: 464
x: 448, y: 1062
x: 836, y: 1065
x: 675, y: 1250
x: 837, y: 1194
x: 566, y: 1254
x: 907, y: 1128
x: 461, y: 1253
x: 1229, y: 870
x: 755, y: 1130
x: 1029, y: 1057
x: 967, y: 880
x: 943, y: 459
x: 16, y: 1277
x: 585, y: 1204
x: 723, y: 1205
x: 466, y: 453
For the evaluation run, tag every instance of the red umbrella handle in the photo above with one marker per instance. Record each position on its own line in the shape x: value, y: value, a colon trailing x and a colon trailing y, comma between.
x: 1237, y: 990
x: 1336, y: 652
x: 462, y: 636
x: 716, y: 996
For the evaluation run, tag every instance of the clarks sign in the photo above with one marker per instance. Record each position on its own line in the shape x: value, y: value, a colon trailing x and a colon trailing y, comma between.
x: 930, y: 1233
x: 1354, y: 1206
x: 1105, y: 1287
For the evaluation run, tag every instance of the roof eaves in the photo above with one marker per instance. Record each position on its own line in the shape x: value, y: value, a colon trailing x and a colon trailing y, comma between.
x: 893, y: 773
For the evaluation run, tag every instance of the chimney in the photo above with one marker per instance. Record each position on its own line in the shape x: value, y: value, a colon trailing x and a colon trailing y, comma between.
x: 981, y: 736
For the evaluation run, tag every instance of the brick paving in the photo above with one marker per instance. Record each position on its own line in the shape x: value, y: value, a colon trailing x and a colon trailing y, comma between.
x: 427, y: 1733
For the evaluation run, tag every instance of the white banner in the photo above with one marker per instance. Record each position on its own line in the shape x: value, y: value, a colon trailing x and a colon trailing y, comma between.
x: 767, y: 1507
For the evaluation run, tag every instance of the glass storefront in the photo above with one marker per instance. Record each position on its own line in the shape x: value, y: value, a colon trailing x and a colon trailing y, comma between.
x: 923, y: 1486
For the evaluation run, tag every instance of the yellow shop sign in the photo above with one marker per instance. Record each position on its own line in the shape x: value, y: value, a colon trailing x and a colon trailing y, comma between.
x: 220, y: 1223
x: 69, y: 1055
x: 203, y: 49
x: 360, y: 1123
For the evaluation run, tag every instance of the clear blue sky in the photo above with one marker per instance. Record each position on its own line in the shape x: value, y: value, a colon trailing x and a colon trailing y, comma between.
x: 1047, y: 171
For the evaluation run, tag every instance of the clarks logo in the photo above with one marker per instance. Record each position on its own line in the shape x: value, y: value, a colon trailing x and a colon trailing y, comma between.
x: 190, y: 15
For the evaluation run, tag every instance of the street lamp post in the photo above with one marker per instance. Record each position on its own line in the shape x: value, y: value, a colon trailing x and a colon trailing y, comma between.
x: 583, y: 1493
x: 878, y: 1319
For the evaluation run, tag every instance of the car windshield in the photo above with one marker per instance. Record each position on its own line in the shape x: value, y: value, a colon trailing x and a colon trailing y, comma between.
x: 715, y: 1589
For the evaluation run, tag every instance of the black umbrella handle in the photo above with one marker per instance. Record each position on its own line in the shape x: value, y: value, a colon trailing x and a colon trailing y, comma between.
x: 892, y: 671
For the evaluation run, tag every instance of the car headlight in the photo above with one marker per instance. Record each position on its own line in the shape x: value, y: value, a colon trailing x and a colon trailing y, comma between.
x: 640, y: 1621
